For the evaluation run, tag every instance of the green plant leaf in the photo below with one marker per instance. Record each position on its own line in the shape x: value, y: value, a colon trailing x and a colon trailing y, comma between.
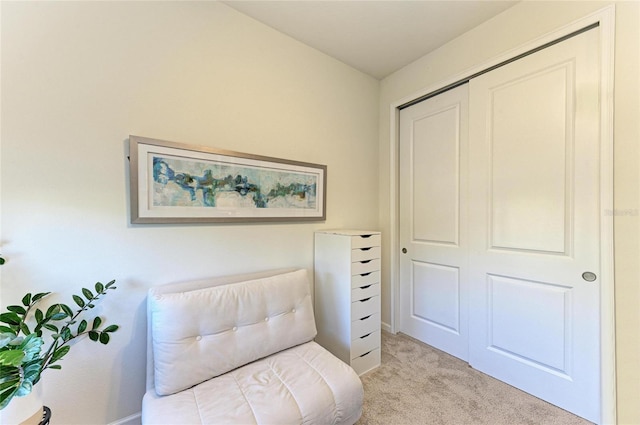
x: 6, y: 338
x: 5, y: 385
x: 66, y: 334
x: 17, y: 309
x: 93, y: 335
x: 9, y: 373
x: 87, y: 293
x: 32, y: 371
x: 111, y: 328
x: 10, y: 318
x: 78, y: 301
x: 31, y: 347
x: 55, y: 366
x: 5, y: 329
x: 7, y: 395
x: 82, y: 326
x: 67, y: 309
x: 24, y: 328
x: 16, y: 342
x: 11, y: 357
x: 99, y: 287
x: 59, y: 316
x: 104, y: 338
x: 26, y: 300
x: 51, y: 327
x: 60, y: 353
x: 39, y: 296
x: 97, y: 321
x: 110, y: 284
x: 24, y: 388
x: 39, y: 315
x: 53, y: 309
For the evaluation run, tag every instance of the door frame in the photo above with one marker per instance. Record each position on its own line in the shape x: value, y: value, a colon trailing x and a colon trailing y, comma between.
x: 605, y: 20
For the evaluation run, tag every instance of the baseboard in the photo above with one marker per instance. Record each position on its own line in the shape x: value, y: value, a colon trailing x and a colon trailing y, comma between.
x: 386, y: 327
x: 135, y: 419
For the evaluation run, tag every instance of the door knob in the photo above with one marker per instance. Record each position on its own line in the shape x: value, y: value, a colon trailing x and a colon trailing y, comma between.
x: 404, y: 250
x: 589, y: 276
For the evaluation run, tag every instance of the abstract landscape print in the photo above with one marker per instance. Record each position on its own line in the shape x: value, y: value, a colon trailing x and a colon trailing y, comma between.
x: 178, y: 183
x: 196, y: 183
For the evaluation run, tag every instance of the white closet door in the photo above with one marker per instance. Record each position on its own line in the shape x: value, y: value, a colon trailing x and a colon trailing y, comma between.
x: 433, y: 179
x: 534, y: 224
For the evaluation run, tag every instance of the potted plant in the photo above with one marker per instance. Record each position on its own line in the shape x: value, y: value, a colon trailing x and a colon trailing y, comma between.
x: 23, y: 329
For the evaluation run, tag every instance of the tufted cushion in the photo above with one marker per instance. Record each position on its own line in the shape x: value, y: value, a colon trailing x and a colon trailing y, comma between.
x: 200, y: 334
x: 301, y: 385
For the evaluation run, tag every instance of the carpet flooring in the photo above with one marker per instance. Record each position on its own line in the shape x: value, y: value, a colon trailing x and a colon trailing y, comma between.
x: 418, y: 384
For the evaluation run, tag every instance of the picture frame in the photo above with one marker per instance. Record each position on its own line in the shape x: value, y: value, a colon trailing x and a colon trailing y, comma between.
x: 174, y: 182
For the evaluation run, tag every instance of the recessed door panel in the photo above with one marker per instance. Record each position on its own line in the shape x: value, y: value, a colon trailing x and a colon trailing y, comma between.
x: 531, y: 132
x: 436, y: 295
x: 435, y: 179
x: 529, y: 321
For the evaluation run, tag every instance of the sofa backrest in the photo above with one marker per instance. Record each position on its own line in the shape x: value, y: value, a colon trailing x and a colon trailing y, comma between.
x: 200, y: 330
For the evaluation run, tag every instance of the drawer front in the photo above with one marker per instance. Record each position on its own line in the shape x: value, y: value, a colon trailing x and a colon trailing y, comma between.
x: 362, y: 267
x: 366, y: 307
x: 366, y: 291
x: 365, y: 241
x: 364, y: 344
x: 365, y: 325
x: 363, y: 254
x: 366, y: 362
x: 359, y: 280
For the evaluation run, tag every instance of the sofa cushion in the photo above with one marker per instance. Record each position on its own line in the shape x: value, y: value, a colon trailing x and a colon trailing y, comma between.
x: 200, y: 334
x: 302, y: 385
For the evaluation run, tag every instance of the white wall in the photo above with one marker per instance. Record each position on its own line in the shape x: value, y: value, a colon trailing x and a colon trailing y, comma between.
x: 77, y: 79
x: 513, y: 28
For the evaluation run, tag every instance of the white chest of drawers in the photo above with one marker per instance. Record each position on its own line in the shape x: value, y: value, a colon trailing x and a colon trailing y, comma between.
x: 347, y: 296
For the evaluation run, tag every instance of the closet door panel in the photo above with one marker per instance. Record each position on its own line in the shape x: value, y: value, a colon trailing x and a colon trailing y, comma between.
x: 433, y: 223
x: 534, y: 224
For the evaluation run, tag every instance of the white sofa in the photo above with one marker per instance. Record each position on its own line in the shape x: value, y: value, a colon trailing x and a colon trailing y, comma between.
x: 239, y: 350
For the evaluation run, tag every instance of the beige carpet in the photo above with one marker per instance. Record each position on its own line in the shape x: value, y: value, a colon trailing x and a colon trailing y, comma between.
x: 417, y: 384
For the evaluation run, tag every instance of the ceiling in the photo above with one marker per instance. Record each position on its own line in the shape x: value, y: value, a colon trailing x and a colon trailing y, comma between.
x: 375, y: 37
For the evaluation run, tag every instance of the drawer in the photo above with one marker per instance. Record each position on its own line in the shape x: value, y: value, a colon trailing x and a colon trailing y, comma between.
x: 366, y: 307
x: 365, y: 325
x: 364, y: 344
x: 363, y: 292
x: 365, y: 241
x: 366, y: 362
x: 362, y: 254
x: 359, y: 280
x: 362, y: 267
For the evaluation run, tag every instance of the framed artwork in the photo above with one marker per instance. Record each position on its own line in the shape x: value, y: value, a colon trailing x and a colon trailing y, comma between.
x: 179, y: 183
